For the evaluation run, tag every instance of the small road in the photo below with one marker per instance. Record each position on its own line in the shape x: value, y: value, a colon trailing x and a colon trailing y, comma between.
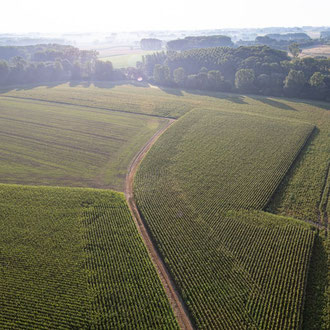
x: 176, y: 302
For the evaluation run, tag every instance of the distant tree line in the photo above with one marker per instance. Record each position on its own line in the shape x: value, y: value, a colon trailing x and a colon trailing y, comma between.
x: 199, y: 42
x: 279, y: 41
x: 325, y: 34
x: 47, y: 52
x: 255, y: 69
x: 151, y: 44
x: 284, y: 41
x: 48, y: 63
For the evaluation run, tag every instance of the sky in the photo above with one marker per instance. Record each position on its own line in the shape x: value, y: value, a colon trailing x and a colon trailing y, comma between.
x: 59, y: 16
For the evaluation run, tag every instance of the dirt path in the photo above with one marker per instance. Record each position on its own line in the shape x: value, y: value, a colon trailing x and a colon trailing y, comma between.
x: 172, y: 293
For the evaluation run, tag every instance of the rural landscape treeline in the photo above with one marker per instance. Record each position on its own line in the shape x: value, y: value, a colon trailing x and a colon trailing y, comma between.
x: 191, y: 63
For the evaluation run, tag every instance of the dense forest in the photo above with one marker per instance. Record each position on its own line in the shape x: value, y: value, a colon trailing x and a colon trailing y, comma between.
x: 255, y: 69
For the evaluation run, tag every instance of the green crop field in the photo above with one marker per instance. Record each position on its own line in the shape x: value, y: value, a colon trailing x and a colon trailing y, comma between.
x: 73, y: 258
x: 126, y: 60
x: 127, y: 98
x: 206, y: 164
x: 206, y: 189
x: 52, y: 144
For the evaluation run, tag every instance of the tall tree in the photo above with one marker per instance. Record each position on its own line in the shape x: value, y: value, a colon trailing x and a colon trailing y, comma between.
x: 4, y: 71
x: 179, y: 76
x: 294, y: 49
x: 244, y: 80
x: 294, y: 83
x: 161, y: 74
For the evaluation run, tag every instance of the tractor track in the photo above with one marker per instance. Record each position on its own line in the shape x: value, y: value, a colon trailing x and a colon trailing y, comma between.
x: 172, y: 293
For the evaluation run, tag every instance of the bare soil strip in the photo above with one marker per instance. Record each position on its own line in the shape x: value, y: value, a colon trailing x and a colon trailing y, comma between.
x: 179, y: 309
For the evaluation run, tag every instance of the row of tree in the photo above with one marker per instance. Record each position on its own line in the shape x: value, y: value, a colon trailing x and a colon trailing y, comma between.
x: 275, y: 40
x: 47, y: 52
x: 199, y: 42
x: 20, y: 71
x: 257, y: 69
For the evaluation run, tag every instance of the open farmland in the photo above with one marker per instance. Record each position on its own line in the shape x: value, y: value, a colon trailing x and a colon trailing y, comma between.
x: 300, y: 194
x: 206, y: 164
x: 137, y: 98
x: 321, y: 50
x: 72, y: 258
x: 186, y: 198
x: 52, y: 144
x: 126, y: 60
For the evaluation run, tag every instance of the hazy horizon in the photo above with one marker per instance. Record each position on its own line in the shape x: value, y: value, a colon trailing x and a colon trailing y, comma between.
x: 38, y: 16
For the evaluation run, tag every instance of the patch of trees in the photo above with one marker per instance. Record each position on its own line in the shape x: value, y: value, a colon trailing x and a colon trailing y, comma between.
x: 255, y: 69
x: 284, y: 44
x: 50, y: 63
x: 150, y: 44
x: 199, y: 42
x: 285, y: 41
x: 289, y: 36
x: 20, y: 71
x: 325, y: 34
x: 49, y: 52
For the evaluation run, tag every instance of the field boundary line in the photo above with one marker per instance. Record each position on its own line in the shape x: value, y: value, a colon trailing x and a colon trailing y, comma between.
x: 86, y: 106
x: 324, y: 197
x: 175, y: 300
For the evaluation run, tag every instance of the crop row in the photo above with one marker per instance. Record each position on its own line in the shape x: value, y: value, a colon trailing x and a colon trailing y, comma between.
x: 72, y: 258
x: 204, y: 165
x: 126, y: 289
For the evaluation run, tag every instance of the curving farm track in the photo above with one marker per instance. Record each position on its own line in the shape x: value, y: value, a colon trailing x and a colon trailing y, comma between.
x: 171, y: 291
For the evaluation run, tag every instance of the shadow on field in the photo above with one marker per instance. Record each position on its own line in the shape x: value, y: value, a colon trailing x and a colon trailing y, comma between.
x: 274, y: 103
x: 223, y: 96
x: 172, y: 91
x: 26, y: 87
x: 276, y: 200
x: 85, y: 84
x: 316, y: 297
x: 320, y: 104
x: 112, y: 84
x: 73, y: 83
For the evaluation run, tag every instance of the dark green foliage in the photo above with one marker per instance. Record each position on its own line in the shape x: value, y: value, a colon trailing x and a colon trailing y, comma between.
x: 179, y: 76
x: 73, y: 258
x: 316, y: 301
x: 46, y: 63
x: 161, y: 74
x: 294, y: 49
x: 150, y: 44
x: 199, y: 42
x: 47, y: 53
x: 244, y: 80
x: 103, y: 70
x: 272, y: 66
x: 294, y: 83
